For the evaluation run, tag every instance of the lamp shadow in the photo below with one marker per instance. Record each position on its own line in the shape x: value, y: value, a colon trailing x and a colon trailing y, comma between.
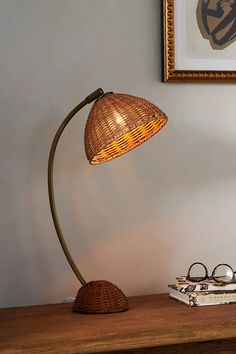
x: 193, y: 159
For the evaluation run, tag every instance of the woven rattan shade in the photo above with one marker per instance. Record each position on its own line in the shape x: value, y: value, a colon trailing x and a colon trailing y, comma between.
x: 117, y: 124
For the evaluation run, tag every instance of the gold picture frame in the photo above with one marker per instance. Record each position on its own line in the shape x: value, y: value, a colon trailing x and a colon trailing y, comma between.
x: 170, y: 73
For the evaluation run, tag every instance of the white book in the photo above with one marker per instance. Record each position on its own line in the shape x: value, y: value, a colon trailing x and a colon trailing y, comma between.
x: 186, y: 286
x: 203, y: 298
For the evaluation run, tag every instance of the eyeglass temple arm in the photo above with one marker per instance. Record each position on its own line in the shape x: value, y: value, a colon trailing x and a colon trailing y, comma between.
x: 89, y: 99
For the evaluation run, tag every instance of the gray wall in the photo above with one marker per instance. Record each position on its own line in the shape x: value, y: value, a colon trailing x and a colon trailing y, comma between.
x: 138, y: 221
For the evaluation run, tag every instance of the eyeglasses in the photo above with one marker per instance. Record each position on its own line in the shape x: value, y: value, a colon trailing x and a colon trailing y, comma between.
x: 222, y: 273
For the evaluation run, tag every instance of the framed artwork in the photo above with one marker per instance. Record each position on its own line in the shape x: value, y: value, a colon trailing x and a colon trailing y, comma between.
x: 199, y: 40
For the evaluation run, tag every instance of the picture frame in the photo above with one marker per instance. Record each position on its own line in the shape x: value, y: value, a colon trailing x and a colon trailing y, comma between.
x: 181, y: 67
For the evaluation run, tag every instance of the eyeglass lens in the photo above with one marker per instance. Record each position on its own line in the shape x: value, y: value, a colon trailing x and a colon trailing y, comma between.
x: 197, y: 272
x: 223, y: 273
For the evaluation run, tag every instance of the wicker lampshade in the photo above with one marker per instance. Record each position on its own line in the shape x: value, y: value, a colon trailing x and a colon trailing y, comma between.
x: 117, y: 123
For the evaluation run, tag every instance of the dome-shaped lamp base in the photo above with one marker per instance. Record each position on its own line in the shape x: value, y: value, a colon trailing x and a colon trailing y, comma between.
x: 100, y: 296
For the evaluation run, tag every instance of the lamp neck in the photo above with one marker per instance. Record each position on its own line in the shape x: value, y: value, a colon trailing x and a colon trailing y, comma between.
x: 89, y: 99
x: 94, y: 95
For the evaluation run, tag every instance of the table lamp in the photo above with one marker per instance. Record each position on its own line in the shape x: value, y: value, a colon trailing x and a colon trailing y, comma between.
x: 116, y: 124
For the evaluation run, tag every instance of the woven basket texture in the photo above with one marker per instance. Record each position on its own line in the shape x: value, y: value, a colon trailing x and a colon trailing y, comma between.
x: 117, y: 123
x: 100, y: 296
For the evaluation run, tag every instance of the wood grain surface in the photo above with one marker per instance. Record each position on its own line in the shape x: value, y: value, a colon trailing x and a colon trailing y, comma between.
x: 154, y: 324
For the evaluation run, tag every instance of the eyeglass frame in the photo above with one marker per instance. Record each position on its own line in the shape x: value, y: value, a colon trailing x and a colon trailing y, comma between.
x: 233, y: 280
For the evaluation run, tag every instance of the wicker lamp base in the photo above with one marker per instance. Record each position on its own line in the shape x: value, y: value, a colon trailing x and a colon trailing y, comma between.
x: 100, y: 296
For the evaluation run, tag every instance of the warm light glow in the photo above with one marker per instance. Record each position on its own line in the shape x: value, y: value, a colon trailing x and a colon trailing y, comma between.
x: 129, y: 141
x: 119, y: 119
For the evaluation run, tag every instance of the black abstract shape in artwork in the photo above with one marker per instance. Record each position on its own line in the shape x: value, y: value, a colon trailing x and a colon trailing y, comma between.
x: 217, y: 21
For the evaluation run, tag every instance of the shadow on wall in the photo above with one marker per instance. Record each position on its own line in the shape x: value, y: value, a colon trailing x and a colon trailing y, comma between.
x: 188, y: 159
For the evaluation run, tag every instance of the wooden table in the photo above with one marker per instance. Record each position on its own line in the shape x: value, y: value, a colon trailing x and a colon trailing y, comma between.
x: 154, y: 324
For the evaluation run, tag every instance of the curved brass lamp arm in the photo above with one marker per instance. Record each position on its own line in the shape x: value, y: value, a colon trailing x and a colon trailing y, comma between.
x: 93, y: 96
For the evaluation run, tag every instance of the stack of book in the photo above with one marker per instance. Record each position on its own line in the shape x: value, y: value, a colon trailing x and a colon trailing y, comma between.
x: 207, y: 292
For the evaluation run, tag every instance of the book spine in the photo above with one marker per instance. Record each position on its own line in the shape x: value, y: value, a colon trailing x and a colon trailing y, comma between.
x: 211, y: 299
